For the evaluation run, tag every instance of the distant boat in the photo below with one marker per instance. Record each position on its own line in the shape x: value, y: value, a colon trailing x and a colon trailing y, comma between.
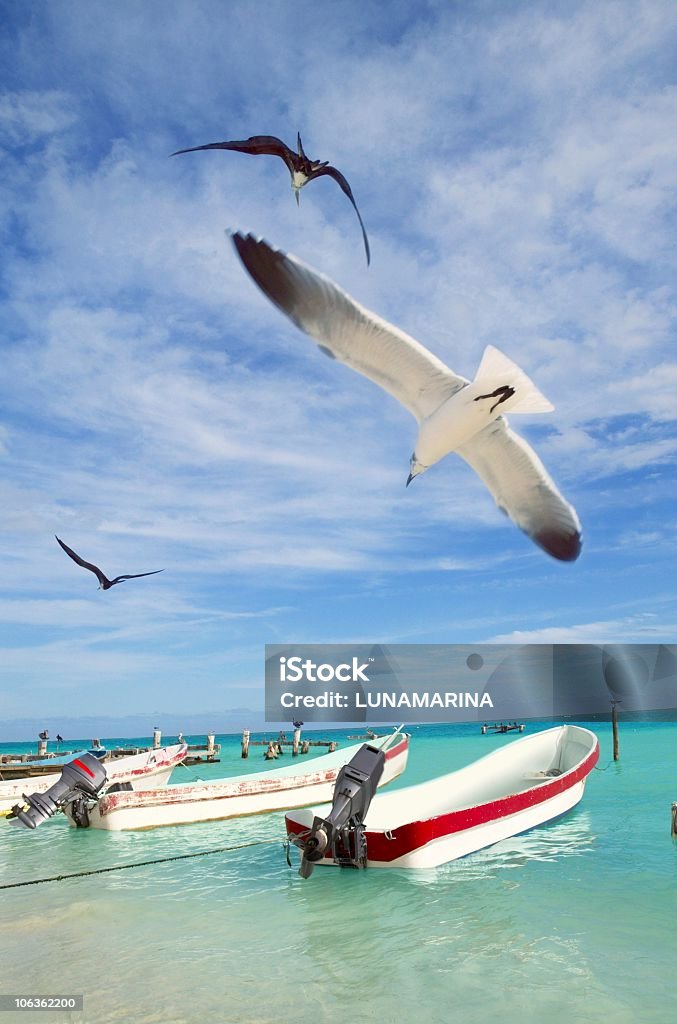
x: 295, y: 785
x: 44, y: 765
x: 523, y: 784
x: 502, y: 727
x: 152, y: 767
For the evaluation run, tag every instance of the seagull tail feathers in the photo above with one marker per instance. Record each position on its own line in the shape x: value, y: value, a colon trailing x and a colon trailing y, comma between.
x: 497, y: 371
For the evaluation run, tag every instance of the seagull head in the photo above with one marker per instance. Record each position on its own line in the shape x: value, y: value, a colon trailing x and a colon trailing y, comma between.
x: 415, y: 468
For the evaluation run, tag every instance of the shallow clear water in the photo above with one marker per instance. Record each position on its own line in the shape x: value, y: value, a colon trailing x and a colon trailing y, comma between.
x: 574, y: 921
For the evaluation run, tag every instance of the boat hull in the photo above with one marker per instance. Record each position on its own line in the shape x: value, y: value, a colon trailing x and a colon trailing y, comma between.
x: 403, y: 840
x: 260, y: 793
x: 151, y: 768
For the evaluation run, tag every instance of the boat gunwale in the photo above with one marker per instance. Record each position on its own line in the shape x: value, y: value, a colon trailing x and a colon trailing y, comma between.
x: 230, y: 788
x: 171, y: 761
x: 9, y: 788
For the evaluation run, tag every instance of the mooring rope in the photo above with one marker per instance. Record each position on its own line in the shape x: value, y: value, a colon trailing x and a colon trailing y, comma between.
x: 607, y: 765
x: 139, y: 864
x: 188, y: 768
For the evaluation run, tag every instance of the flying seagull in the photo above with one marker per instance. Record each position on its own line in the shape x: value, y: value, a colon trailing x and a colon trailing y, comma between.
x: 454, y: 414
x: 104, y: 582
x: 301, y: 168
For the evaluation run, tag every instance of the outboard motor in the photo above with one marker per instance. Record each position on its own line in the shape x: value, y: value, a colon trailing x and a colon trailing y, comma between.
x: 342, y: 830
x: 82, y: 777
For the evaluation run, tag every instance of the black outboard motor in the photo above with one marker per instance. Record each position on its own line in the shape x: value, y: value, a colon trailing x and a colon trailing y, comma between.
x: 83, y: 776
x: 343, y: 829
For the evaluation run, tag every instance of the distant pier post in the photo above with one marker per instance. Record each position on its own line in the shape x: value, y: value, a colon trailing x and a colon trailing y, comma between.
x: 674, y: 821
x: 614, y: 729
x: 210, y: 745
x: 245, y: 743
x: 157, y: 737
x: 42, y: 744
x: 295, y: 744
x: 305, y: 747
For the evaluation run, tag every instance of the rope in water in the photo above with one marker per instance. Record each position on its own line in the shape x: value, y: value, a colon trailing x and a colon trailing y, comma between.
x: 138, y: 864
x: 607, y: 765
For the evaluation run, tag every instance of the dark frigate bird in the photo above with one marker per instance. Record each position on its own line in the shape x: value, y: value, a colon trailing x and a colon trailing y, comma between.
x: 104, y: 582
x: 301, y: 168
x: 453, y: 413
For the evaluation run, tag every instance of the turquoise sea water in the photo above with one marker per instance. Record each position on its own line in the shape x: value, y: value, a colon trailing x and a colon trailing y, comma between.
x: 573, y: 922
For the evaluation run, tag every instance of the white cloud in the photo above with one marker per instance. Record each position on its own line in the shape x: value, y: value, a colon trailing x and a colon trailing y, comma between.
x: 631, y: 630
x: 27, y: 116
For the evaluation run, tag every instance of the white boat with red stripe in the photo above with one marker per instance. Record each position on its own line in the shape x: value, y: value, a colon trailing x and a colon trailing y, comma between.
x: 523, y: 784
x: 295, y: 785
x: 150, y: 768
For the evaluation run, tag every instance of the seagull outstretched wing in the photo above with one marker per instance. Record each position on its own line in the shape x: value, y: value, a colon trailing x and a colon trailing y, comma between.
x: 522, y: 488
x: 347, y: 331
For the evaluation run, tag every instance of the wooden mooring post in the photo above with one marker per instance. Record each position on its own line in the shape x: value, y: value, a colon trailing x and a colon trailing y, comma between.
x: 674, y: 821
x: 298, y: 745
x: 614, y: 729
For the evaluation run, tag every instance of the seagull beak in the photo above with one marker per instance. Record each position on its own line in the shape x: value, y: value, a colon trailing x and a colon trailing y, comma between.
x: 415, y: 469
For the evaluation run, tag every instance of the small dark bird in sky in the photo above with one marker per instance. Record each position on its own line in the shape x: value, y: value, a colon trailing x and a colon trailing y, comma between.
x: 301, y: 168
x: 104, y: 582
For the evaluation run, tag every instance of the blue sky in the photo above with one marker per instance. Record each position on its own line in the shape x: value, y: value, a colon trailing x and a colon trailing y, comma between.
x: 515, y: 168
